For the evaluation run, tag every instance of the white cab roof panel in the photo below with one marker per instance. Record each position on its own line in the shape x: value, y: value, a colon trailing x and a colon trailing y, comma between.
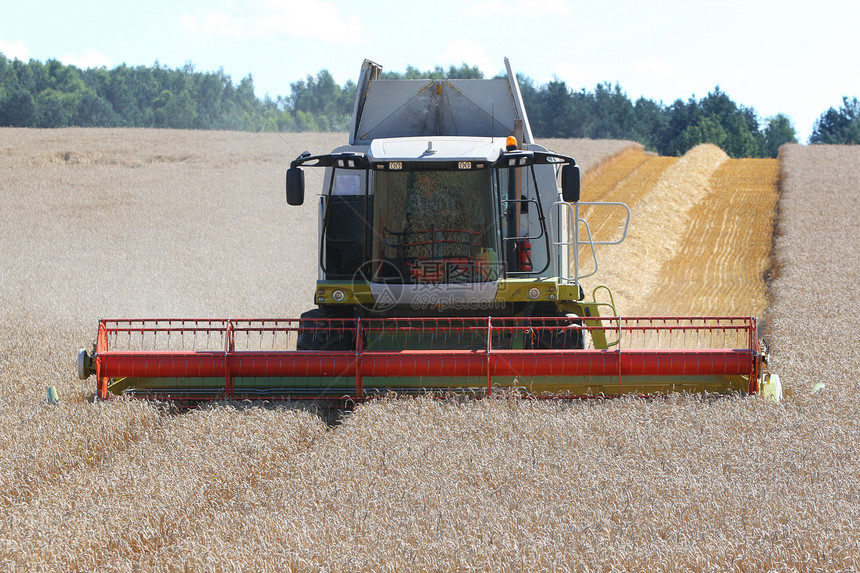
x: 436, y: 149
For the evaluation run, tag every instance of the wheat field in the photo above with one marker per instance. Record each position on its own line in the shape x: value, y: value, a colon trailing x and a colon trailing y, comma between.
x: 103, y: 223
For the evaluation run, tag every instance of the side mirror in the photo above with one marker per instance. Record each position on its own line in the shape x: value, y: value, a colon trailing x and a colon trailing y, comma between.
x: 570, y: 183
x: 295, y: 186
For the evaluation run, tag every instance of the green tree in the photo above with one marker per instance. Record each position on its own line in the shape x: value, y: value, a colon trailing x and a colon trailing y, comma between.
x: 838, y: 126
x: 305, y: 122
x: 465, y: 72
x: 17, y: 109
x: 209, y: 89
x: 778, y: 131
x: 612, y: 114
x: 313, y: 94
x: 705, y: 130
x: 52, y: 94
x: 714, y: 119
x: 651, y: 120
x: 174, y: 111
x: 93, y: 111
x: 55, y: 109
x: 119, y: 95
x: 555, y: 112
x: 681, y: 116
x: 321, y: 98
x: 741, y: 141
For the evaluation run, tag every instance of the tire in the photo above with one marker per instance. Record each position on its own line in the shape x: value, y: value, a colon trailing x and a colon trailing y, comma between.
x: 566, y: 336
x: 321, y: 330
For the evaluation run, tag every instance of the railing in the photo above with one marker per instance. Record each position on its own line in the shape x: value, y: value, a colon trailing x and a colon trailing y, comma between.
x: 570, y: 212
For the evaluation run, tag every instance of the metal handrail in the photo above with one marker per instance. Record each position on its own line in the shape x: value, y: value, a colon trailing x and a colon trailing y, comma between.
x: 574, y: 221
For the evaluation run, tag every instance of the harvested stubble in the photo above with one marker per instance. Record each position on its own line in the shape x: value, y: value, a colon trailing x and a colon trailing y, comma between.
x: 681, y: 484
x: 700, y: 232
x: 657, y: 225
x: 725, y: 251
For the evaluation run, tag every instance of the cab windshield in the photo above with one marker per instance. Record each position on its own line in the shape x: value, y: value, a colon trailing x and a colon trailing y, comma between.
x: 434, y: 227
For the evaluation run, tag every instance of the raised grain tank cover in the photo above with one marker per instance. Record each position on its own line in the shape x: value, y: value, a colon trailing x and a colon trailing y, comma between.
x: 403, y: 108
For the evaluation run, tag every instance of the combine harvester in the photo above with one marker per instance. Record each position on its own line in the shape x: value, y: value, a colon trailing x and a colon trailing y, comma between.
x: 449, y: 260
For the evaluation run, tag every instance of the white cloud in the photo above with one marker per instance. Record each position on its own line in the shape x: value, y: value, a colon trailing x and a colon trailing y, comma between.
x: 575, y: 75
x: 216, y: 22
x: 90, y: 59
x: 654, y: 68
x: 519, y: 8
x: 14, y: 50
x: 470, y: 52
x: 309, y: 19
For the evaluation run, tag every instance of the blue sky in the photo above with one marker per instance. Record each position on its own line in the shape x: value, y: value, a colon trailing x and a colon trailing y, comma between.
x: 798, y: 58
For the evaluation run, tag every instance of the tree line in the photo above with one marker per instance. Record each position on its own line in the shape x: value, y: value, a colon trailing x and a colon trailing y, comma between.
x: 672, y: 129
x: 52, y: 94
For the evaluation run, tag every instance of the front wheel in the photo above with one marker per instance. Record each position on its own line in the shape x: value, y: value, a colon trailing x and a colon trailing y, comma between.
x: 557, y: 333
x: 321, y: 330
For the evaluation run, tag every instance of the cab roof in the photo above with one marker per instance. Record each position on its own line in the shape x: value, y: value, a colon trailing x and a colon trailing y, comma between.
x: 436, y: 149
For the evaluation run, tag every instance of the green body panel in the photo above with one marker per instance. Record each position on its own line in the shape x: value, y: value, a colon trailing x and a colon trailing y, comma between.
x: 510, y: 290
x: 337, y: 387
x: 565, y: 297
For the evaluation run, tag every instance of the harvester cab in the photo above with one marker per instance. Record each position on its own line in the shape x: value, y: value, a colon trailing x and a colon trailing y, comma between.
x: 449, y: 260
x: 443, y: 205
